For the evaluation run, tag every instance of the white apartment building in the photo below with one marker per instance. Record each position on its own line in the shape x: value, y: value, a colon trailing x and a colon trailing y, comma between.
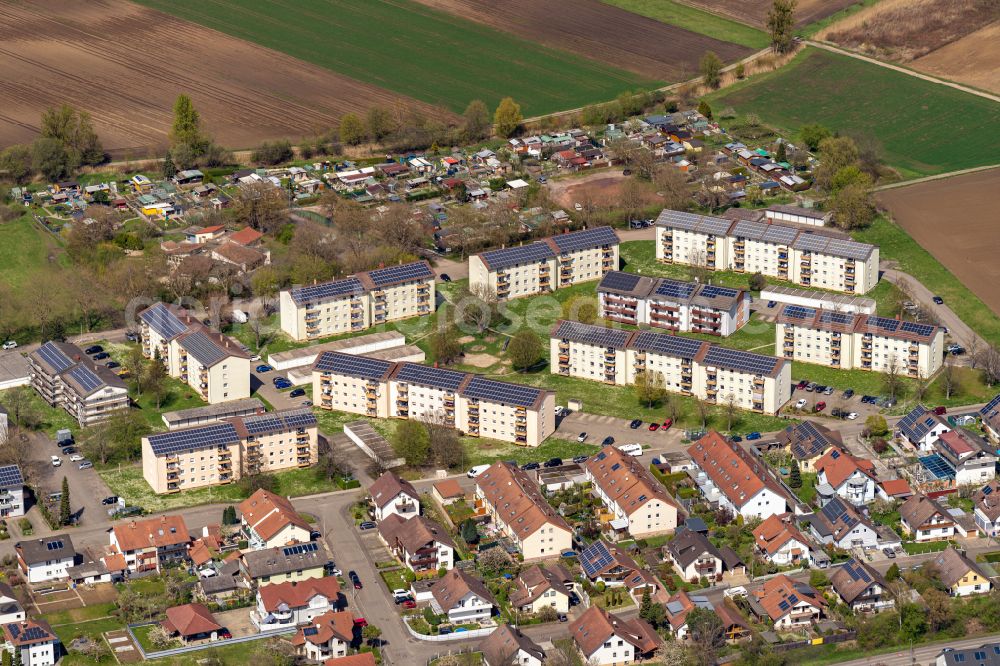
x: 690, y: 367
x: 212, y: 364
x: 520, y: 512
x: 847, y: 341
x: 806, y: 255
x: 733, y: 477
x: 674, y: 305
x: 221, y: 453
x: 473, y: 404
x: 11, y: 491
x: 545, y: 265
x: 34, y: 641
x: 66, y: 377
x: 357, y: 302
x: 637, y: 502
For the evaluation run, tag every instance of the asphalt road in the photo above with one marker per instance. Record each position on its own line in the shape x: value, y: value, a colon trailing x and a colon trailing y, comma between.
x: 924, y: 654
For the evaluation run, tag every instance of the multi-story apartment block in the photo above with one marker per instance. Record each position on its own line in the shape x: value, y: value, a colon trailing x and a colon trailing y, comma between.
x: 521, y: 513
x: 690, y: 367
x: 689, y: 307
x: 847, y: 341
x: 357, y: 302
x: 212, y: 364
x: 224, y: 452
x: 545, y: 265
x: 805, y: 255
x: 66, y: 377
x: 635, y: 500
x: 473, y: 404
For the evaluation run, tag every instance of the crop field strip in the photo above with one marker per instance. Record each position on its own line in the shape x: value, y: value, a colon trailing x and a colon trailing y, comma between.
x: 126, y: 64
x: 414, y: 50
x: 754, y: 12
x: 902, y: 113
x: 603, y: 32
x: 675, y: 13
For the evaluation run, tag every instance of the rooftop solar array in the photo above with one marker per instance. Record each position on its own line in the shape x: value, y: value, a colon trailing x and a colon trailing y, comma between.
x: 713, y: 291
x: 200, y: 437
x: 675, y: 289
x: 736, y: 359
x: 10, y: 476
x: 86, y: 378
x: 835, y: 511
x: 916, y: 423
x: 299, y: 418
x: 299, y: 549
x: 834, y: 317
x: 781, y: 235
x: 990, y: 407
x: 333, y: 289
x: 163, y: 321
x: 798, y: 312
x: 937, y: 466
x: 353, y: 366
x: 517, y: 256
x: 257, y: 425
x: 31, y: 633
x: 848, y: 249
x: 884, y: 323
x: 586, y: 239
x: 668, y: 345
x: 810, y: 242
x: 749, y: 230
x: 595, y: 558
x: 619, y: 281
x: 856, y: 571
x: 502, y: 392
x: 923, y: 330
x: 203, y: 348
x: 417, y: 270
x: 425, y: 375
x: 57, y: 360
x: 676, y: 219
x: 592, y: 335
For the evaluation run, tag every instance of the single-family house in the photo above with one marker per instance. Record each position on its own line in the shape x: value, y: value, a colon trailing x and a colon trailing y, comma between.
x: 840, y: 525
x: 11, y: 481
x: 959, y: 574
x: 852, y: 478
x: 677, y: 609
x: 921, y: 427
x: 861, y: 587
x: 971, y: 458
x: 606, y: 639
x: 285, y: 563
x: 149, y: 544
x: 392, y: 495
x: 419, y: 543
x: 45, y: 559
x: 807, y: 441
x: 268, y: 520
x: 191, y: 622
x: 295, y: 602
x: 779, y: 540
x: 11, y: 609
x: 37, y: 644
x: 327, y: 636
x: 694, y: 556
x: 986, y: 501
x: 987, y: 654
x: 541, y: 587
x: 925, y: 520
x: 462, y: 597
x: 787, y: 603
x: 507, y: 646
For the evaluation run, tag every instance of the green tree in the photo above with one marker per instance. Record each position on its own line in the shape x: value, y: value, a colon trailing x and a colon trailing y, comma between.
x: 650, y: 388
x: 580, y: 308
x: 351, y: 130
x: 379, y: 122
x: 412, y: 441
x: 229, y: 516
x: 757, y: 281
x: 781, y: 25
x: 892, y: 573
x: 169, y: 169
x: 525, y: 349
x: 371, y: 634
x: 813, y: 134
x: 186, y: 128
x: 75, y: 130
x: 852, y: 207
x: 476, y: 120
x: 781, y: 154
x: 16, y: 661
x: 16, y: 163
x: 876, y: 425
x: 740, y: 71
x: 507, y: 117
x: 818, y: 579
x: 710, y: 67
x: 5, y: 661
x: 849, y: 175
x: 49, y: 157
x: 835, y: 153
x: 445, y: 345
x: 65, y: 512
x: 705, y: 109
x: 795, y: 476
x: 470, y: 534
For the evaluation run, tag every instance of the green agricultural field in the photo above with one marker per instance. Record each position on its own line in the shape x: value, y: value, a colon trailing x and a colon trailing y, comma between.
x: 696, y: 20
x: 923, y: 128
x: 25, y: 251
x: 412, y: 49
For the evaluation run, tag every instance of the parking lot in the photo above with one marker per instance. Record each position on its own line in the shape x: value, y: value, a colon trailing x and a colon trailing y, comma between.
x: 86, y: 487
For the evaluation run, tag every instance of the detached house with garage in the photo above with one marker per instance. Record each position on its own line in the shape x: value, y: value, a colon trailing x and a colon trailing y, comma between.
x: 606, y: 639
x: 608, y: 564
x: 393, y: 495
x: 295, y: 602
x: 507, y: 645
x: 840, y: 525
x: 694, y: 556
x: 861, y: 587
x: 462, y: 597
x: 542, y: 587
x: 269, y: 520
x: 787, y: 603
x: 852, y: 478
x: 926, y: 520
x: 779, y: 540
x: 45, y: 559
x: 960, y: 575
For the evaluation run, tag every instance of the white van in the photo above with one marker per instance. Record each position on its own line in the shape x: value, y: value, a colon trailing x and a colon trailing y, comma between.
x: 477, y: 470
x: 631, y: 449
x: 240, y: 317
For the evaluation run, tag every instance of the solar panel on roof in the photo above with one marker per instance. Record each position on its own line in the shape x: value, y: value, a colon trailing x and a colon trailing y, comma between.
x: 332, y: 289
x: 299, y: 549
x: 619, y: 281
x: 585, y: 239
x: 501, y: 392
x: 832, y: 317
x: 749, y: 229
x: 595, y: 558
x: 352, y: 366
x: 990, y: 406
x: 736, y: 359
x: 55, y: 357
x: 193, y: 438
x: 159, y: 318
x: 937, y: 466
x: 54, y: 545
x: 848, y: 249
x: 810, y: 242
x: 777, y: 233
x: 10, y: 476
x: 425, y: 375
x: 884, y: 323
x: 987, y: 490
x: 783, y: 605
x: 86, y: 378
x: 675, y: 289
x: 798, y: 312
x: 668, y: 345
x: 591, y: 334
x: 264, y: 423
x: 203, y: 348
x: 300, y: 419
x: 793, y: 599
x: 417, y: 270
x: 517, y: 256
x: 712, y: 291
x: 919, y: 329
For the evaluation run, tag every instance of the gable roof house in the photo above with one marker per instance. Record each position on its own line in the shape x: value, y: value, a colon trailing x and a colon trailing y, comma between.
x: 730, y: 475
x: 191, y: 622
x: 420, y: 543
x: 959, y: 574
x: 10, y: 608
x: 780, y: 541
x: 677, y: 609
x: 392, y: 495
x: 852, y: 478
x: 46, y: 558
x: 861, y: 587
x: 34, y: 640
x: 987, y: 508
x: 637, y: 502
x: 840, y: 525
x: 921, y: 427
x: 149, y: 544
x: 507, y: 645
x: 603, y: 562
x: 462, y: 597
x: 269, y: 520
x: 694, y: 556
x: 541, y: 587
x: 327, y: 637
x: 925, y: 520
x: 295, y: 602
x: 284, y: 563
x: 787, y: 603
x: 807, y: 441
x: 603, y: 638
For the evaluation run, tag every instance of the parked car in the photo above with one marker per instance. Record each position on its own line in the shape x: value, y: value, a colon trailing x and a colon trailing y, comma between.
x: 653, y: 427
x: 800, y: 403
x: 890, y: 553
x: 76, y: 457
x: 225, y: 633
x: 100, y: 356
x: 409, y: 604
x: 367, y: 525
x: 357, y: 581
x: 109, y: 500
x: 307, y: 403
x: 131, y: 336
x: 86, y: 464
x: 810, y: 387
x: 851, y: 416
x: 848, y: 394
x: 445, y: 277
x: 477, y: 470
x: 262, y: 368
x: 282, y: 384
x: 772, y: 304
x: 580, y: 459
x: 940, y: 409
x: 112, y: 364
x: 93, y: 349
x: 562, y: 617
x: 401, y: 593
x: 552, y: 462
x: 752, y: 436
x: 56, y: 461
x: 735, y: 438
x: 582, y: 437
x: 666, y: 424
x: 69, y: 450
x: 828, y: 390
x: 297, y: 393
x: 801, y: 385
x: 608, y: 441
x: 279, y: 378
x: 635, y: 423
x: 820, y: 406
x: 10, y: 344
x: 938, y: 300
x: 559, y: 410
x: 528, y: 466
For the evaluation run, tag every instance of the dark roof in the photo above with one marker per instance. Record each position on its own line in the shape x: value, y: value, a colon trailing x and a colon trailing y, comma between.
x: 987, y: 654
x: 36, y: 551
x: 918, y: 422
x: 808, y: 440
x: 836, y: 519
x: 501, y: 647
x: 853, y: 578
x: 284, y: 559
x: 688, y: 545
x: 11, y: 477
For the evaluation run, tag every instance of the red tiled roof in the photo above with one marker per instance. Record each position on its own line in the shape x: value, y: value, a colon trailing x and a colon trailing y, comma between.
x: 839, y: 465
x: 332, y: 624
x: 268, y: 514
x: 896, y: 487
x: 775, y: 532
x: 190, y: 620
x: 733, y: 471
x: 155, y: 532
x: 296, y: 594
x: 363, y: 659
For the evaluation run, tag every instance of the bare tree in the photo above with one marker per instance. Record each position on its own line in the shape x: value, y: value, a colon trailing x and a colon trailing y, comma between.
x: 974, y: 350
x: 891, y: 379
x: 703, y: 412
x: 732, y: 410
x: 673, y: 186
x: 698, y: 267
x: 948, y: 379
x: 990, y: 363
x: 920, y: 386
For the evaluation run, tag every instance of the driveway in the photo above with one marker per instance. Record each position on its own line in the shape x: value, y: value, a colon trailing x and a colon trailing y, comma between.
x: 262, y: 385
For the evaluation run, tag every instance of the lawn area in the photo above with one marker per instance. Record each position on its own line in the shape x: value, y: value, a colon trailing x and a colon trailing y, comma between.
x: 900, y: 111
x: 364, y: 40
x: 178, y: 396
x: 142, y: 635
x: 127, y: 482
x: 51, y: 418
x: 93, y: 628
x: 79, y: 615
x: 25, y: 251
x: 895, y: 244
x: 394, y: 579
x: 696, y: 20
x: 807, y: 493
x: 914, y: 548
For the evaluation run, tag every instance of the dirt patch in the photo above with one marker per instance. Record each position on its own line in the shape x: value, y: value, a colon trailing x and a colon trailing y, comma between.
x: 479, y: 360
x: 754, y: 12
x: 123, y: 647
x: 600, y: 32
x: 101, y: 593
x: 955, y: 220
x: 973, y: 59
x: 465, y: 339
x: 598, y: 189
x: 126, y: 64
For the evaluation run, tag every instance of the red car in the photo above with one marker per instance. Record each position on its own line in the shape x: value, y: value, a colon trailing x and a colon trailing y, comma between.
x: 408, y: 604
x: 801, y: 385
x: 654, y: 426
x: 666, y: 424
x: 940, y: 410
x: 225, y: 633
x: 360, y: 622
x: 820, y: 406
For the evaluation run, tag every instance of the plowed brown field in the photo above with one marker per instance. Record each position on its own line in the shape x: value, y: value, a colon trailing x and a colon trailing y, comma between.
x: 126, y: 65
x: 599, y: 31
x: 955, y: 220
x: 973, y: 59
x: 754, y: 12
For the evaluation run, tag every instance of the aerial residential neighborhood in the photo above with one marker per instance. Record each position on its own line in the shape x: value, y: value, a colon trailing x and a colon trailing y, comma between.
x: 452, y: 333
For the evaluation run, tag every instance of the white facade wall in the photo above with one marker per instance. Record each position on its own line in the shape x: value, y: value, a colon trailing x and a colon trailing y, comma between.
x: 50, y: 570
x: 614, y: 651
